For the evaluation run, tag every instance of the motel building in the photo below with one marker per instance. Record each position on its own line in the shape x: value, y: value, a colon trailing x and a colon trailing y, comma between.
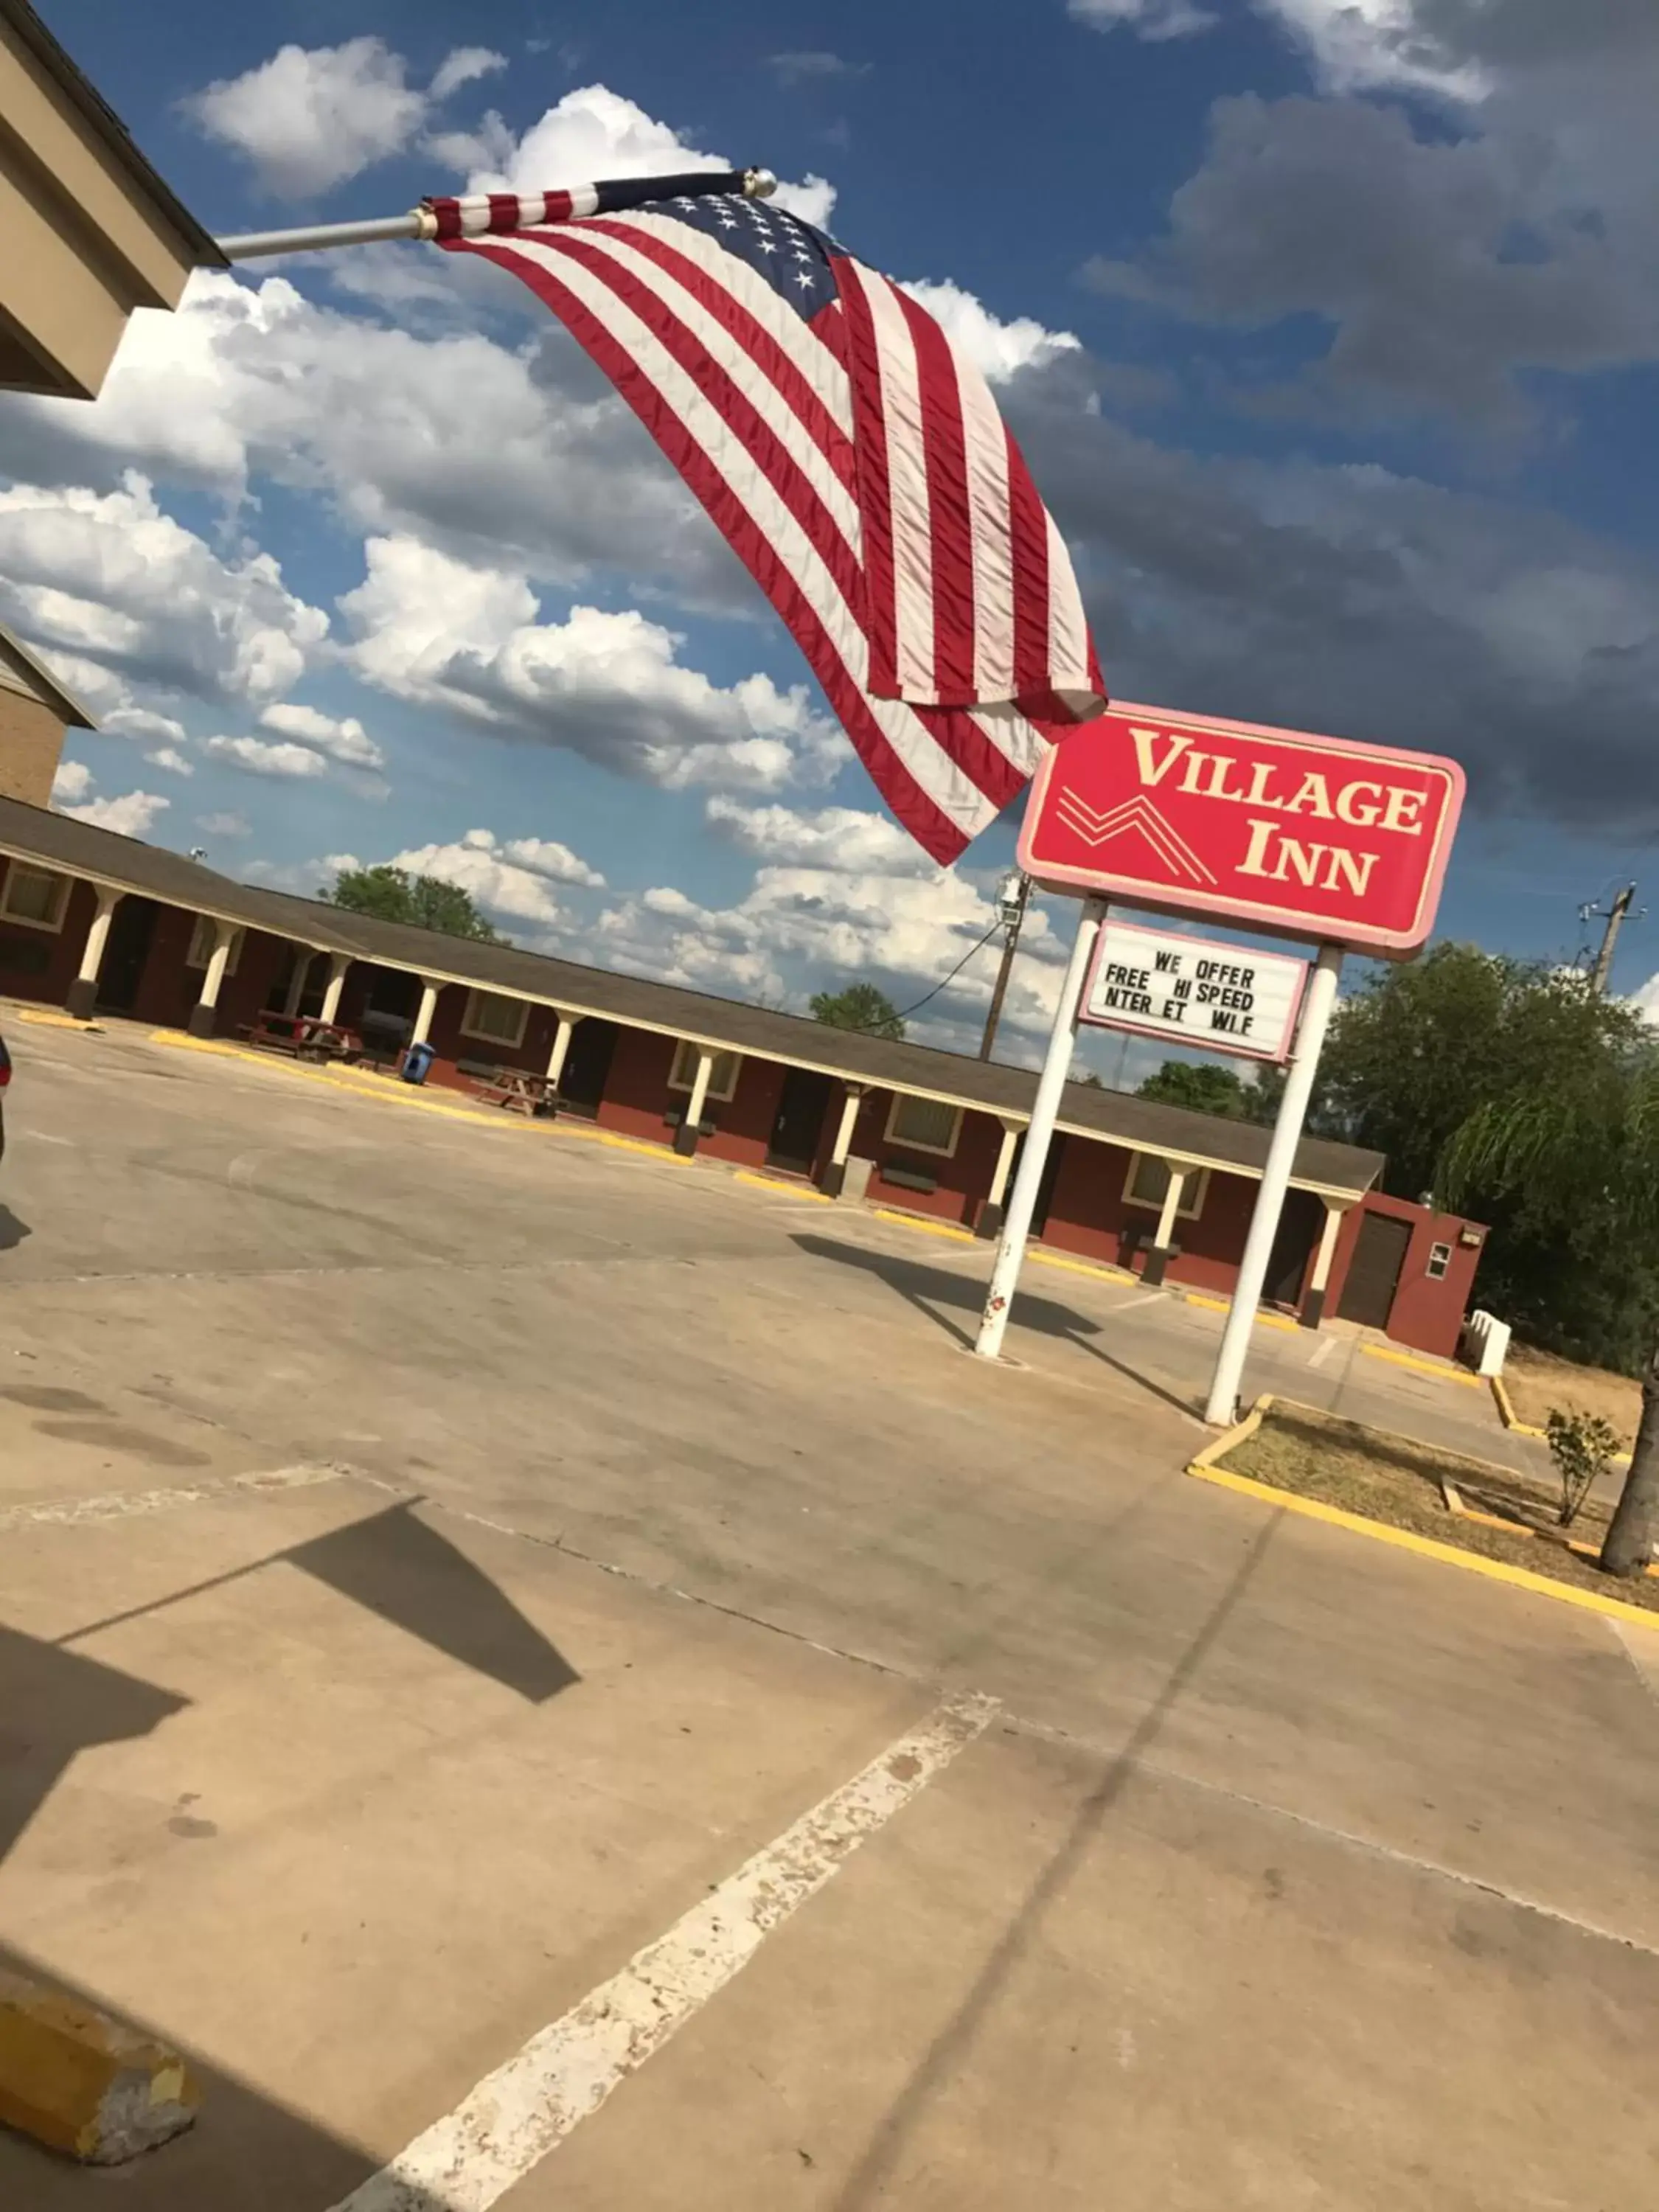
x: 97, y: 923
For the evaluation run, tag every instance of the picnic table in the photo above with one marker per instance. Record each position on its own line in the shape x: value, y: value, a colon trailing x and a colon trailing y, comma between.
x: 515, y: 1091
x: 304, y: 1036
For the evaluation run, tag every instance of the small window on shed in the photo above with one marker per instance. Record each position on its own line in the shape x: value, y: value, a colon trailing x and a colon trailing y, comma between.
x: 1439, y: 1261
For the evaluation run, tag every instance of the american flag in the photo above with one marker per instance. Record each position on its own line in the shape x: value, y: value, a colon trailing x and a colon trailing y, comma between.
x: 852, y: 457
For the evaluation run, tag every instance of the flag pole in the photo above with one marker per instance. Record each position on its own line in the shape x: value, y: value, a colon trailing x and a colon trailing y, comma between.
x: 422, y: 222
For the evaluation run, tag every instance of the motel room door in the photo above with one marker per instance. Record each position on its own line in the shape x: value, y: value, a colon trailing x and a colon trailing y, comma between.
x: 795, y: 1132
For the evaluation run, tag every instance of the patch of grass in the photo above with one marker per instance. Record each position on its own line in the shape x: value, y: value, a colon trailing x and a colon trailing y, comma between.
x: 1538, y: 1380
x: 1397, y: 1482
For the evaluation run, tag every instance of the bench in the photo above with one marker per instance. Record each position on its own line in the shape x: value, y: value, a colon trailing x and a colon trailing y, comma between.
x: 302, y: 1035
x: 514, y: 1089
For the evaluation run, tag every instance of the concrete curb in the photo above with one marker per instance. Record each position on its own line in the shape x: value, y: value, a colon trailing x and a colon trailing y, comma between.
x: 83, y: 2083
x: 1205, y: 1468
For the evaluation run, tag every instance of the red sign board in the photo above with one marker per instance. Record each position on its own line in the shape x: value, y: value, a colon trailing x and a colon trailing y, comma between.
x: 1276, y: 831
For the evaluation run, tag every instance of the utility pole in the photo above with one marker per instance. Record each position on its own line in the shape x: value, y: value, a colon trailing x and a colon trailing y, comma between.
x: 1614, y: 915
x: 1013, y: 893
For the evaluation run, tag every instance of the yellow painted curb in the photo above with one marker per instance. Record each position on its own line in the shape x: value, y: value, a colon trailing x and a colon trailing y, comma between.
x: 1229, y: 1439
x: 783, y: 1190
x: 927, y: 1228
x: 1225, y: 1305
x: 1098, y: 1269
x: 44, y: 1019
x: 81, y: 2083
x: 1426, y: 1547
x: 1422, y: 1367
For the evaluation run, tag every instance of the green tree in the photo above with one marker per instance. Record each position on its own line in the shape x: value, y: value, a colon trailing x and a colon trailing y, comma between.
x: 859, y: 1006
x: 1587, y: 1135
x: 1416, y: 1051
x: 1202, y: 1086
x: 394, y: 894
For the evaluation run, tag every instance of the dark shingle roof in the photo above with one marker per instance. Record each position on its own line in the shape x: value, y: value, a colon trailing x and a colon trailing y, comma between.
x: 1206, y: 1139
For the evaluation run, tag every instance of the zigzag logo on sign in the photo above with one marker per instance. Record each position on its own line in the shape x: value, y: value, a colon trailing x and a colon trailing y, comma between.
x: 1096, y: 829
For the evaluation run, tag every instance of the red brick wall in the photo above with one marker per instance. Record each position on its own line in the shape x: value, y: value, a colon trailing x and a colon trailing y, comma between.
x: 451, y: 1046
x: 636, y: 1093
x: 1088, y: 1215
x: 963, y: 1179
x: 1426, y: 1314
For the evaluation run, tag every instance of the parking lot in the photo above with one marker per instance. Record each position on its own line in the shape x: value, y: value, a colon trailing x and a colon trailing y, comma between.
x: 441, y: 1555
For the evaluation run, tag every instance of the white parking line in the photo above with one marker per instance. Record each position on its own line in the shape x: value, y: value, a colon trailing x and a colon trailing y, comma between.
x: 1147, y: 1298
x: 468, y: 2160
x: 1321, y: 1351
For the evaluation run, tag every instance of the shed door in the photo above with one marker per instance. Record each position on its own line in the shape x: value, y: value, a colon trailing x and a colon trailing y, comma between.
x: 1379, y: 1254
x: 586, y: 1065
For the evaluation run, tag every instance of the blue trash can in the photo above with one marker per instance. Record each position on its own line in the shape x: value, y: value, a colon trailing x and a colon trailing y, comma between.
x: 417, y: 1061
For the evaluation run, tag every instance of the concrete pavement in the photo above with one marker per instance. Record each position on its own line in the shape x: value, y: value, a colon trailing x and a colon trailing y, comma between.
x: 503, y: 1538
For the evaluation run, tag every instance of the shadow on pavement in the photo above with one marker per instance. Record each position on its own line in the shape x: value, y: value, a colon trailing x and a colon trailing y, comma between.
x: 245, y: 2150
x: 404, y: 1570
x: 928, y: 1288
x: 12, y: 1230
x: 54, y: 1704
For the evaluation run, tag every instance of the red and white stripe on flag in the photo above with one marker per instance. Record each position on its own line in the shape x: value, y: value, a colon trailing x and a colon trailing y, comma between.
x: 859, y: 468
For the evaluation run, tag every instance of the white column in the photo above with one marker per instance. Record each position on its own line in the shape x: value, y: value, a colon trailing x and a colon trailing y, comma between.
x: 1172, y: 1208
x: 423, y: 1029
x: 1045, y: 1107
x: 1313, y: 1298
x: 991, y: 1213
x: 1223, y: 1406
x: 337, y: 964
x: 1006, y: 1151
x: 835, y: 1173
x: 296, y: 982
x: 201, y: 1014
x: 82, y: 994
x: 556, y: 1058
x: 685, y: 1137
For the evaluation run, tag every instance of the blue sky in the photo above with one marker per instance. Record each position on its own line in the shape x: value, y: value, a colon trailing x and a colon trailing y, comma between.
x: 1329, y: 330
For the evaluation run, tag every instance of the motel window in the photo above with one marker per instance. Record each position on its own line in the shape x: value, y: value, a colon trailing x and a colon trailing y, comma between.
x: 1439, y: 1261
x: 1148, y: 1182
x: 494, y: 1019
x: 201, y: 938
x: 35, y: 896
x: 924, y: 1125
x: 723, y: 1076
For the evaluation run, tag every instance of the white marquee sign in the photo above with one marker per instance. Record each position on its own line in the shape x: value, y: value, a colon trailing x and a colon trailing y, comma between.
x: 1190, y: 990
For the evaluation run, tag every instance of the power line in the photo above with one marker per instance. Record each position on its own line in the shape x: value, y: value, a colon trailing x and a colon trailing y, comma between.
x: 904, y: 1013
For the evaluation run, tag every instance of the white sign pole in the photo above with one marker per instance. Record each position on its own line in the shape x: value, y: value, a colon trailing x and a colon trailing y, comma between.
x: 1045, y: 1106
x: 1223, y: 1407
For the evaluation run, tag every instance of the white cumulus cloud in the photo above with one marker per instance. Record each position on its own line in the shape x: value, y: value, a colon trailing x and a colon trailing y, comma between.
x: 72, y: 780
x: 593, y: 132
x: 998, y: 350
x: 255, y: 758
x: 607, y: 685
x: 343, y: 738
x: 130, y: 815
x: 1152, y: 19
x: 310, y: 118
x: 113, y: 582
x: 512, y: 876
